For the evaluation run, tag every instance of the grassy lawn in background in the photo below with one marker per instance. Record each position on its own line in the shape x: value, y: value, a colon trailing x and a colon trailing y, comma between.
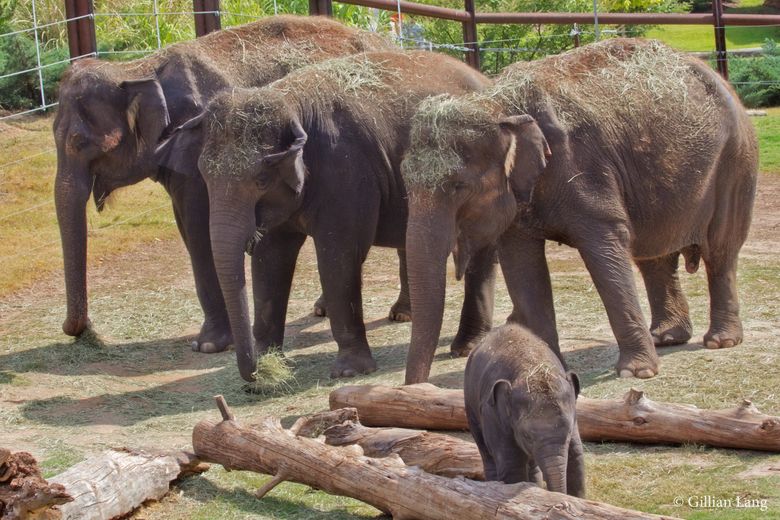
x: 135, y: 382
x: 702, y: 37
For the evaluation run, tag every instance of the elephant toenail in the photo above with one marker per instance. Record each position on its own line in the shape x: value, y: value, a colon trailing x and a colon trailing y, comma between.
x: 194, y: 346
x: 645, y: 373
x: 626, y: 373
x: 711, y: 344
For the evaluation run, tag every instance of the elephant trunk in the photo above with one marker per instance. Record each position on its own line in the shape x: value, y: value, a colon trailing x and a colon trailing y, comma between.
x: 232, y: 224
x: 72, y: 188
x: 429, y: 239
x: 552, y: 460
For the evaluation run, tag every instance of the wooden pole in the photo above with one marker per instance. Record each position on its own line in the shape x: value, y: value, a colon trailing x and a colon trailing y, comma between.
x: 721, y: 56
x: 86, y: 27
x: 73, y: 28
x: 388, y: 484
x: 470, y: 35
x: 635, y: 418
x: 200, y: 21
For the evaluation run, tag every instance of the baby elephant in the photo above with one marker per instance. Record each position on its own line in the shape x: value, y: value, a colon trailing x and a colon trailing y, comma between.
x: 521, y: 408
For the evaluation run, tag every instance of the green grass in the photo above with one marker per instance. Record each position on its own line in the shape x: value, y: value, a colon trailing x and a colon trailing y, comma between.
x: 702, y: 37
x: 768, y: 129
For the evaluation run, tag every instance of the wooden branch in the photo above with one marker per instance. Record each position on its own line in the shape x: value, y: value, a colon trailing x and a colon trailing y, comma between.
x: 635, y: 418
x: 116, y: 482
x: 24, y: 494
x: 434, y: 453
x: 316, y: 424
x: 387, y: 483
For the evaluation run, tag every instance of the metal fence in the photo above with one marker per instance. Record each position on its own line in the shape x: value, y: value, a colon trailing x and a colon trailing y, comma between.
x: 81, y: 21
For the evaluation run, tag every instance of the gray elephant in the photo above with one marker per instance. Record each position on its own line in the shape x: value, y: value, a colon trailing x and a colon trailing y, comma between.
x: 623, y: 149
x: 111, y: 116
x: 320, y: 151
x: 521, y: 409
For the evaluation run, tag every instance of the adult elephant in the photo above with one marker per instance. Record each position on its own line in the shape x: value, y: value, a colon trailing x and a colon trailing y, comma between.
x: 111, y: 116
x: 320, y: 151
x: 622, y: 149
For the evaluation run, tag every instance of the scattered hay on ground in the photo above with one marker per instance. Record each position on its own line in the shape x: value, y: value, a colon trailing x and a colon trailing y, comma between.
x: 274, y: 374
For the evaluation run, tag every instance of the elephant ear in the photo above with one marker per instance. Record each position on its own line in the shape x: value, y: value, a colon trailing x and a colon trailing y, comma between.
x: 180, y: 151
x: 147, y: 112
x: 289, y: 163
x: 527, y: 155
x: 499, y: 398
x: 575, y: 382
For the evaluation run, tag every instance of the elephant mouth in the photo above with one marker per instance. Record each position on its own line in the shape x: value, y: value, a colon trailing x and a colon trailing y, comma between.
x: 461, y: 253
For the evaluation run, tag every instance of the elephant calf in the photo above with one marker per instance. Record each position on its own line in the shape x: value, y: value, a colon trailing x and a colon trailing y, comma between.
x: 623, y: 149
x: 319, y: 153
x: 521, y: 408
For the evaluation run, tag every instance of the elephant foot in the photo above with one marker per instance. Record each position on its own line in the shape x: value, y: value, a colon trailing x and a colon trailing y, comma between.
x: 212, y: 339
x: 76, y: 326
x: 401, y: 311
x: 319, y: 307
x: 463, y: 344
x: 723, y: 336
x: 643, y: 365
x: 671, y: 333
x: 351, y: 363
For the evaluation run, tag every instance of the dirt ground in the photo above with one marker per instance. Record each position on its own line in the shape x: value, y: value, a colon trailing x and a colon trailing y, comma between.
x: 136, y: 382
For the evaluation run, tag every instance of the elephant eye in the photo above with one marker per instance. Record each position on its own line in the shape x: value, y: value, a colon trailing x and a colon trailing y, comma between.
x: 262, y: 183
x: 459, y: 185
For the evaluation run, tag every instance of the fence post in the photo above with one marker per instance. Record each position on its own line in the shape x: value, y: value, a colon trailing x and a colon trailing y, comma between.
x: 470, y: 35
x: 206, y: 22
x: 721, y: 57
x: 81, y: 33
x: 321, y: 7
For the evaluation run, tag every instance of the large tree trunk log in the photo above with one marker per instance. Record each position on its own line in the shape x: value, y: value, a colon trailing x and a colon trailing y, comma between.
x: 24, y: 494
x: 633, y: 419
x: 118, y: 481
x: 388, y: 484
x: 433, y: 452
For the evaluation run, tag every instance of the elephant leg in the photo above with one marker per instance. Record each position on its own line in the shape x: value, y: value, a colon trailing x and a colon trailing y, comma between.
x: 575, y: 470
x: 273, y: 266
x: 320, y: 309
x: 340, y: 265
x: 190, y: 208
x: 725, y: 325
x: 401, y: 310
x: 488, y: 463
x: 527, y: 278
x: 671, y: 324
x: 476, y: 316
x: 608, y: 260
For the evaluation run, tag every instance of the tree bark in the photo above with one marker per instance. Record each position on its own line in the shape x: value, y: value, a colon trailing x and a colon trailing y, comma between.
x: 24, y: 494
x: 387, y: 484
x: 116, y: 482
x: 635, y: 418
x: 432, y: 452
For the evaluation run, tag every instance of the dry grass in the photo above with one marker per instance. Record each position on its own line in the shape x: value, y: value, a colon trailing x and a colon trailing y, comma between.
x: 137, y: 383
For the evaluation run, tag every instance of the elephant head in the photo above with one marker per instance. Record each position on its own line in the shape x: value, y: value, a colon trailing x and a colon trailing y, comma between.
x: 105, y: 132
x: 466, y: 170
x: 540, y: 408
x: 249, y: 149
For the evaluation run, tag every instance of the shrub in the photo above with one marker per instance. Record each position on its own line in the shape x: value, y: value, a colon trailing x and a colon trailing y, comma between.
x: 757, y: 79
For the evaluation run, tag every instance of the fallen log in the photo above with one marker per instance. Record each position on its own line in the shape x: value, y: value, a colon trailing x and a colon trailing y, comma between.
x: 387, y: 483
x: 24, y: 494
x: 116, y: 482
x: 434, y: 453
x: 635, y: 418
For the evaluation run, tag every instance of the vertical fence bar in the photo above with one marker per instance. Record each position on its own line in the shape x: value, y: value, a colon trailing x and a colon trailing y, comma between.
x: 38, y: 54
x: 321, y: 7
x: 721, y: 56
x: 156, y: 23
x: 86, y: 25
x: 200, y: 21
x: 596, y: 30
x: 575, y: 33
x: 470, y: 35
x: 213, y: 20
x: 73, y: 28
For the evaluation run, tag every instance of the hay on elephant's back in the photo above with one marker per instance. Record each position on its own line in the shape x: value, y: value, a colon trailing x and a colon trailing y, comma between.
x: 613, y: 81
x: 619, y: 84
x: 247, y: 124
